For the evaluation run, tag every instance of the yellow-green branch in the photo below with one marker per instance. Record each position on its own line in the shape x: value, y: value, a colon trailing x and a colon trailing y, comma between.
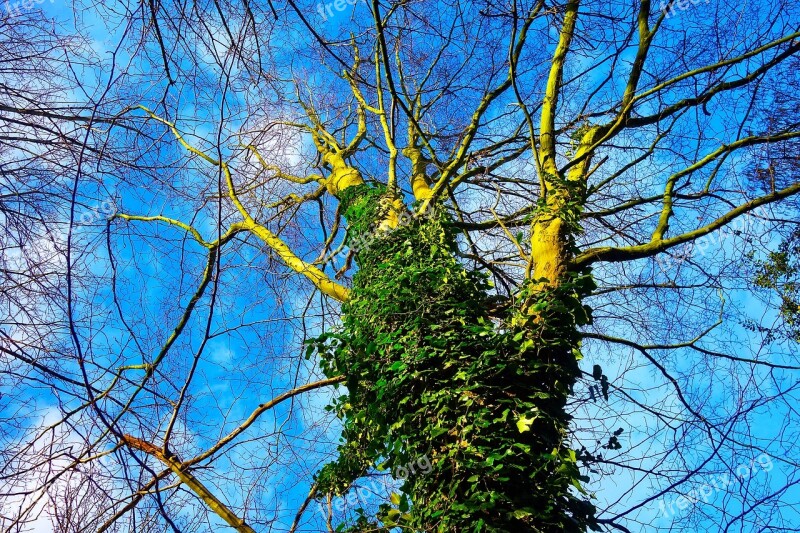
x: 627, y: 253
x: 194, y: 484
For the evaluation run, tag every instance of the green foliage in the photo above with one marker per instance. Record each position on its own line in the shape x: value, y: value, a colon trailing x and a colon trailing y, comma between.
x: 781, y: 273
x: 361, y: 206
x: 429, y: 374
x: 576, y: 137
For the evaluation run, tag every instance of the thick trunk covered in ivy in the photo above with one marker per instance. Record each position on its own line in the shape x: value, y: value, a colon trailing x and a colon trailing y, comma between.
x: 431, y: 374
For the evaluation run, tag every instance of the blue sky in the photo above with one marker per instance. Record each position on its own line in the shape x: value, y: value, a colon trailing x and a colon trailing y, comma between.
x: 261, y: 314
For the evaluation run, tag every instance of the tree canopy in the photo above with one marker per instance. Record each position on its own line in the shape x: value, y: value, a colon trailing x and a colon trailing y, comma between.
x: 378, y: 266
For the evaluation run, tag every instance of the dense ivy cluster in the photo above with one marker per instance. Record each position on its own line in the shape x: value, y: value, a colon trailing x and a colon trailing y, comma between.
x: 430, y: 374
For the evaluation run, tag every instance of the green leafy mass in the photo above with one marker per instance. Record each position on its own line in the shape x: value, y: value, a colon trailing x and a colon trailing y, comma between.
x: 429, y: 373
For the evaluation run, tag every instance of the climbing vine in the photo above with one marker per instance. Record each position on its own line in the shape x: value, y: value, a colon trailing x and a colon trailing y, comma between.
x: 780, y: 272
x: 429, y: 373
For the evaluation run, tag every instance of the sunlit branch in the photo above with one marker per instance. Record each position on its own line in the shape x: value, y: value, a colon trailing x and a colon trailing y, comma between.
x: 303, y: 507
x: 625, y: 120
x: 710, y: 68
x: 135, y: 498
x: 188, y: 479
x: 172, y: 222
x: 553, y: 89
x: 669, y: 191
x: 176, y: 332
x: 340, y: 177
x: 384, y: 58
x: 712, y: 91
x: 379, y: 111
x: 511, y: 237
x: 280, y: 173
x: 616, y: 254
x: 512, y: 69
x: 293, y: 198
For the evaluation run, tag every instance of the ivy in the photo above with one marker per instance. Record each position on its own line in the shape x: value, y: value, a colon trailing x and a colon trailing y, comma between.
x: 780, y: 272
x: 428, y: 373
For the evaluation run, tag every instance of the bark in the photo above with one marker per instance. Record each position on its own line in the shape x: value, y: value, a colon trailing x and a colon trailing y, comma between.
x: 188, y: 479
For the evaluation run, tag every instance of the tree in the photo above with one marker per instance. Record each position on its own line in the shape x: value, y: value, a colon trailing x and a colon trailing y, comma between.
x: 516, y: 249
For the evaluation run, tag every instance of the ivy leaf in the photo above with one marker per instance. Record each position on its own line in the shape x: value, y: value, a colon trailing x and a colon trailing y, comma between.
x: 524, y: 423
x: 404, y: 505
x: 540, y: 306
x: 577, y: 484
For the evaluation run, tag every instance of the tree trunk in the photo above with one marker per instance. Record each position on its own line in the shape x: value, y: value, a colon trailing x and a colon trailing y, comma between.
x: 431, y: 378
